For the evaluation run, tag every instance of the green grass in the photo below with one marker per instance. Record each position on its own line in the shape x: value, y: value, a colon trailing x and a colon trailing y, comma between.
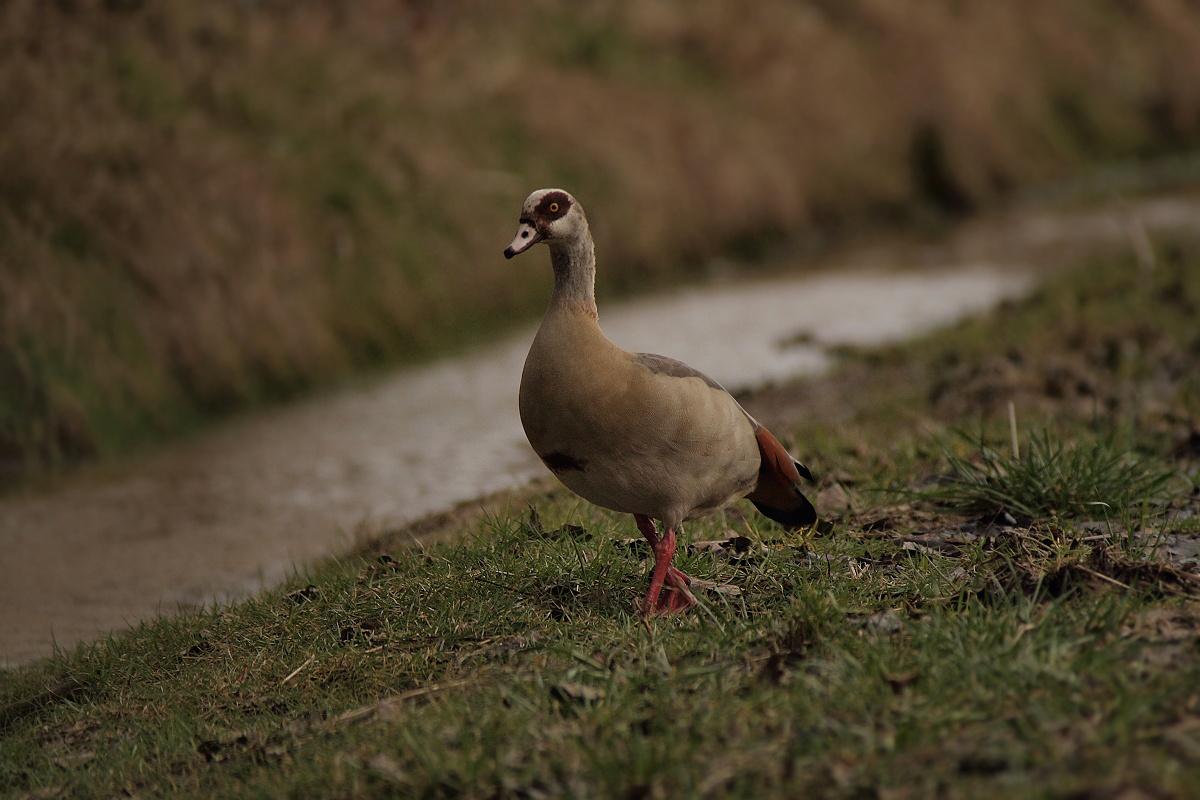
x: 1048, y: 477
x: 513, y: 664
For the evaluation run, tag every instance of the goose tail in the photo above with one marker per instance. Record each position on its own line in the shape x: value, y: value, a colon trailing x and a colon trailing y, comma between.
x: 777, y: 495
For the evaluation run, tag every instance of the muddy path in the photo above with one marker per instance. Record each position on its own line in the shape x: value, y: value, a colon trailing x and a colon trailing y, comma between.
x: 237, y: 508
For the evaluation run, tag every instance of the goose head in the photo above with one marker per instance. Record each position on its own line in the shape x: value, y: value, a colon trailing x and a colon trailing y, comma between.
x: 551, y: 216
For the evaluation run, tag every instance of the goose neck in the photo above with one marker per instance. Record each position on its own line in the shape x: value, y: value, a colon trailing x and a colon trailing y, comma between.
x: 574, y: 265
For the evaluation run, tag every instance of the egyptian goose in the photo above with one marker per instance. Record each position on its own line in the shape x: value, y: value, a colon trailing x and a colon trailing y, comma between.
x: 634, y: 432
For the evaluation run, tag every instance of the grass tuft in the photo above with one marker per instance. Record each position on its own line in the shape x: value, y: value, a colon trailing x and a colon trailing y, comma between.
x: 1051, y: 478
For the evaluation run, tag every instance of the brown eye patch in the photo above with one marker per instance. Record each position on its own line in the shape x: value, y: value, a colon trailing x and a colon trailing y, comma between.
x: 553, y: 206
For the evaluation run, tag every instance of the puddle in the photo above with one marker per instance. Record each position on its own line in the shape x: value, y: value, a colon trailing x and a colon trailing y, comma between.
x: 235, y: 509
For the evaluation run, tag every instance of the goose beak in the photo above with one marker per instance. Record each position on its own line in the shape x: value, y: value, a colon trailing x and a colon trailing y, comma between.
x: 527, y: 236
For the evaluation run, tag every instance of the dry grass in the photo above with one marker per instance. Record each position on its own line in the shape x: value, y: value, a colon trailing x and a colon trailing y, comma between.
x: 204, y: 205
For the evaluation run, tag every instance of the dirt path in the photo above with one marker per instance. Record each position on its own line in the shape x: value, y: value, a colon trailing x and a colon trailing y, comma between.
x: 234, y: 509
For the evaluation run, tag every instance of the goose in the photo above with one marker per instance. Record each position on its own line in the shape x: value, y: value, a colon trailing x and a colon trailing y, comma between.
x: 637, y: 433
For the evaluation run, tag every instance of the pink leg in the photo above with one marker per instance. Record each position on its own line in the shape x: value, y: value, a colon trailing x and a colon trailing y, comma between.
x: 678, y: 597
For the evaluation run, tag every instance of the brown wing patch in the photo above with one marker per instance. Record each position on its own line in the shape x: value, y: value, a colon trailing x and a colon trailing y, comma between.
x: 778, y: 494
x: 776, y: 458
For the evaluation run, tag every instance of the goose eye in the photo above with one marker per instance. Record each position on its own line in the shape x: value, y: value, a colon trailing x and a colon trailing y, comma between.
x: 554, y: 208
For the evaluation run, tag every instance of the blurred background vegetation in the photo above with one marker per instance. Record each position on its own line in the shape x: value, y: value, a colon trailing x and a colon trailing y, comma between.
x: 209, y: 204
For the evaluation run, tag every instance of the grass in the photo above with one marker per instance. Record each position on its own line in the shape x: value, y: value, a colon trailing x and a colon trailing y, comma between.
x: 898, y: 651
x: 1085, y: 477
x: 512, y: 664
